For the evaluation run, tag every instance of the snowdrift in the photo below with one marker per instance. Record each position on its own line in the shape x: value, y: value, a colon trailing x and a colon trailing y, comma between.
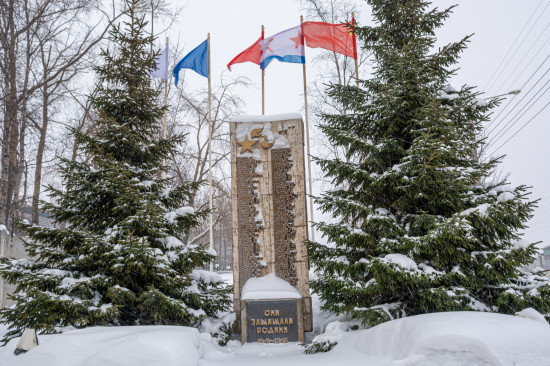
x: 113, y: 346
x: 454, y: 338
x: 442, y: 339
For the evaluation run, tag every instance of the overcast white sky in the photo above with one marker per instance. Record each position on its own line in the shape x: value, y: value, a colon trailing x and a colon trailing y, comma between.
x: 235, y: 24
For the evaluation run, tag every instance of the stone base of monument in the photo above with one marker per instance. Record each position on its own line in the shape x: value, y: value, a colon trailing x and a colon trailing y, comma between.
x: 271, y: 311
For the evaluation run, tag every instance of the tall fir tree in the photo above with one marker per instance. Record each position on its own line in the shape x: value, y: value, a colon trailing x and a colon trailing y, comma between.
x: 119, y: 260
x: 414, y: 230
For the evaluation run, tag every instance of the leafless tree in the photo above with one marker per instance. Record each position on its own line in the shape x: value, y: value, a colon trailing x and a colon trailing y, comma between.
x: 334, y: 68
x: 44, y: 43
x: 189, y: 115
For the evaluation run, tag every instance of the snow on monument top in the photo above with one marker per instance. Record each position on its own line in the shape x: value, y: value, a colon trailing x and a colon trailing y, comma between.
x: 266, y: 118
x: 268, y: 287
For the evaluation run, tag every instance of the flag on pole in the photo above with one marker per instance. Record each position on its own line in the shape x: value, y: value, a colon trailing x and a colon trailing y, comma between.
x: 161, y: 62
x: 252, y: 54
x: 285, y: 46
x: 339, y: 38
x: 196, y: 60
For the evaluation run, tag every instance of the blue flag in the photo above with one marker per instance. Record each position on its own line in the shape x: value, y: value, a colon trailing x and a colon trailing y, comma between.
x: 196, y: 60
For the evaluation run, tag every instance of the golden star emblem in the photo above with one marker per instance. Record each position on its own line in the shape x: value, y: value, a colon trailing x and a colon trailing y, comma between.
x: 247, y: 144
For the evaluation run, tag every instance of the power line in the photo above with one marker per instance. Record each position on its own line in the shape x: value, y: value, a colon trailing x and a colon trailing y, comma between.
x: 523, y: 86
x: 544, y: 198
x: 538, y: 235
x: 512, y: 46
x: 542, y: 210
x: 523, y: 58
x: 514, y: 120
x: 511, y: 57
x: 540, y: 215
x: 537, y: 225
x: 518, y: 103
x: 542, y: 204
x: 539, y: 218
x: 522, y: 127
x: 543, y: 220
x: 538, y: 231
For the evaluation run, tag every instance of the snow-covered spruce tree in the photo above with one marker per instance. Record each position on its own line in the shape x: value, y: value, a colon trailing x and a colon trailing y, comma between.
x: 414, y: 230
x: 119, y: 261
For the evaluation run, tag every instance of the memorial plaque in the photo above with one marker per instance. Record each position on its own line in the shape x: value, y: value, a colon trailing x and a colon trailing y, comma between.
x: 272, y: 321
x: 269, y: 204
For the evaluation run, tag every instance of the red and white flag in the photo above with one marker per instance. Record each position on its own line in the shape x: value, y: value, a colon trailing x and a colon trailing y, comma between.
x: 251, y: 54
x: 339, y: 38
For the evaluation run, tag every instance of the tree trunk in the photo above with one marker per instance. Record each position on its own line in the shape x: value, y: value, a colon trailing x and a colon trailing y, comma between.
x: 25, y: 185
x: 40, y: 155
x: 11, y: 130
x: 18, y: 210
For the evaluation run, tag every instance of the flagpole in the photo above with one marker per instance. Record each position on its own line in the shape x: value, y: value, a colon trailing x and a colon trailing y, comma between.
x: 165, y: 117
x: 263, y: 87
x: 356, y: 61
x: 210, y: 149
x: 307, y: 140
x: 152, y: 23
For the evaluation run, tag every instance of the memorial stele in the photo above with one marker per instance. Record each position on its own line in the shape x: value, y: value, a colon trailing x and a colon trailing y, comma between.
x: 270, y: 225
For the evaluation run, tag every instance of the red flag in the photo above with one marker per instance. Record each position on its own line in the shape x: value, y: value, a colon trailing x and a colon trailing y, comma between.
x: 252, y: 54
x: 339, y: 38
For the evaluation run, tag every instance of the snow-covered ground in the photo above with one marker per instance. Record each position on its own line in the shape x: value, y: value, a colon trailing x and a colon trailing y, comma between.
x: 113, y: 346
x: 446, y: 339
x: 227, y: 277
x: 254, y: 354
x: 449, y: 339
x: 457, y: 338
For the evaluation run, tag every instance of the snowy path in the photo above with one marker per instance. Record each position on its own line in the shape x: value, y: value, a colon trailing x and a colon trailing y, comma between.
x: 449, y: 339
x: 282, y: 355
